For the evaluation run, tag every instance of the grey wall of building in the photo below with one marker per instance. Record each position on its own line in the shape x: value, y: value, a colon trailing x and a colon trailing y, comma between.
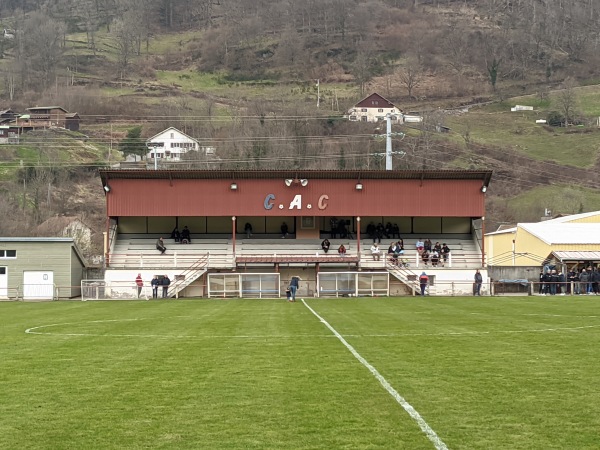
x: 531, y: 273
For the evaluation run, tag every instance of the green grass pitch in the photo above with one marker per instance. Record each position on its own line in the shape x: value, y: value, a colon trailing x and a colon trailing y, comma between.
x: 484, y: 373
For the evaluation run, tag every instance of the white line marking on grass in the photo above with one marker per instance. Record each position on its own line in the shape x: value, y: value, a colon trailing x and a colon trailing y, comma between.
x: 37, y: 331
x: 412, y: 412
x: 475, y: 333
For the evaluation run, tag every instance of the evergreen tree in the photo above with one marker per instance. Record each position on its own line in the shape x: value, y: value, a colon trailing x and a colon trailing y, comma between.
x: 133, y: 144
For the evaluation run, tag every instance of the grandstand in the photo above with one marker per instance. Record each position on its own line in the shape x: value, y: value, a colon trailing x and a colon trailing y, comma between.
x: 222, y: 262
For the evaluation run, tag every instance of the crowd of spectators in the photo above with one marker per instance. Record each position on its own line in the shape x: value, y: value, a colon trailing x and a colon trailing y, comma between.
x: 585, y: 281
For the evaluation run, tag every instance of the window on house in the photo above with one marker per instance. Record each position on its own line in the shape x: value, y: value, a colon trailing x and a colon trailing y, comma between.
x: 363, y: 110
x: 363, y: 118
x: 380, y: 110
x: 5, y: 254
x: 172, y: 135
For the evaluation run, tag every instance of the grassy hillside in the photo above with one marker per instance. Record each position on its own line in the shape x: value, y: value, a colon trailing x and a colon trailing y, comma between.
x: 255, y: 106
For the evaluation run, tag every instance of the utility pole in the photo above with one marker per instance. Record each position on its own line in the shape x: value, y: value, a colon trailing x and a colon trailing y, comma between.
x: 388, y: 143
x: 318, y: 93
x: 154, y: 146
x: 111, y: 142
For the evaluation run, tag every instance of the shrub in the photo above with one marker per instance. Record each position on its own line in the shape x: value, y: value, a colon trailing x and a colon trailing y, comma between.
x: 555, y: 119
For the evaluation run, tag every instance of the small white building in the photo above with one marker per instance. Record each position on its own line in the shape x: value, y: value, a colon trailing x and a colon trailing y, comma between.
x: 170, y: 144
x: 373, y: 109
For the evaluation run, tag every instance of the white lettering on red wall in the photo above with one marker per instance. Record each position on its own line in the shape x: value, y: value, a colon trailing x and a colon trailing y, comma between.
x: 296, y: 203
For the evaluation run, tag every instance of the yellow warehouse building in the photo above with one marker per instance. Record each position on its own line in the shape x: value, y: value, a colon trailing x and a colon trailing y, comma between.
x: 570, y: 240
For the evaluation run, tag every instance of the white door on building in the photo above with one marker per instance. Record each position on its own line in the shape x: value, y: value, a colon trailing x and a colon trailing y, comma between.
x: 38, y: 285
x: 3, y: 282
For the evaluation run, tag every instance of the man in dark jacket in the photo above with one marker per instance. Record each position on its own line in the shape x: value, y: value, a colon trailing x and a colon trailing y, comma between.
x: 165, y: 286
x: 584, y: 278
x: 560, y: 287
x: 546, y: 283
x: 154, y: 283
x: 595, y: 281
x: 186, y: 237
x: 294, y: 286
x: 478, y: 283
x: 573, y: 282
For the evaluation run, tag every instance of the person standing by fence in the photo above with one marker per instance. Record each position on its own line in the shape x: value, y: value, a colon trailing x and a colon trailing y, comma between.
x: 423, y: 282
x: 478, y: 283
x: 154, y: 283
x: 166, y: 282
x: 140, y: 284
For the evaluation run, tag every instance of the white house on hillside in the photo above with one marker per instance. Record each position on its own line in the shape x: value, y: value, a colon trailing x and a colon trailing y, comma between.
x: 373, y: 109
x: 170, y: 144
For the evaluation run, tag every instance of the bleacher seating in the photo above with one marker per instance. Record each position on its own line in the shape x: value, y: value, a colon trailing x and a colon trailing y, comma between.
x: 135, y: 250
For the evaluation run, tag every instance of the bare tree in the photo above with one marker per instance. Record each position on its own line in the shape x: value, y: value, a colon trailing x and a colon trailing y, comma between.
x: 363, y: 67
x: 411, y: 76
x: 41, y: 47
x: 566, y: 100
x: 125, y: 39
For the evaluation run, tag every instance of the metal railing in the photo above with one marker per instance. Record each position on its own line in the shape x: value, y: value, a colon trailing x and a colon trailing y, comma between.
x: 128, y: 290
x: 175, y: 260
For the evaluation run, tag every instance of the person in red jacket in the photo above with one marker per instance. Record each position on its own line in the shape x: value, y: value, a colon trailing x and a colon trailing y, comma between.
x: 140, y: 284
x: 423, y: 282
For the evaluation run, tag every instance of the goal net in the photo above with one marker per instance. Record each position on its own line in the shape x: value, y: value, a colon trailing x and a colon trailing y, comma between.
x: 103, y: 290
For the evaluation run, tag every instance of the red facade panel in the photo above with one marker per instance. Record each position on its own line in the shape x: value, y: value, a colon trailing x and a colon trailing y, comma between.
x: 271, y: 197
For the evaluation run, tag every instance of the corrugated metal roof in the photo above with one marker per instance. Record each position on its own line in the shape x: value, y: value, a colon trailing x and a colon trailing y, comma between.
x: 564, y: 233
x: 484, y: 175
x: 35, y: 239
x: 577, y: 256
x: 35, y: 108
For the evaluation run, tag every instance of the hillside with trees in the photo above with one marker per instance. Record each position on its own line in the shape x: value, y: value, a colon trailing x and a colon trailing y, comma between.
x: 267, y: 82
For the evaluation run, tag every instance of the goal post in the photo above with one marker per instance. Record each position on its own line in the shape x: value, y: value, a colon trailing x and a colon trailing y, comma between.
x: 93, y: 290
x: 115, y: 290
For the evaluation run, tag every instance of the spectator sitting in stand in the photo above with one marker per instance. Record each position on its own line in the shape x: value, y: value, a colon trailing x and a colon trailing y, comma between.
x: 176, y: 235
x: 160, y: 246
x: 185, y: 236
x: 425, y: 257
x: 445, y: 253
x: 395, y: 231
x: 401, y: 261
x: 427, y: 245
x: 325, y: 245
x: 420, y: 246
x: 392, y: 254
x: 435, y: 257
x: 438, y: 248
x: 342, y: 250
x: 376, y: 252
